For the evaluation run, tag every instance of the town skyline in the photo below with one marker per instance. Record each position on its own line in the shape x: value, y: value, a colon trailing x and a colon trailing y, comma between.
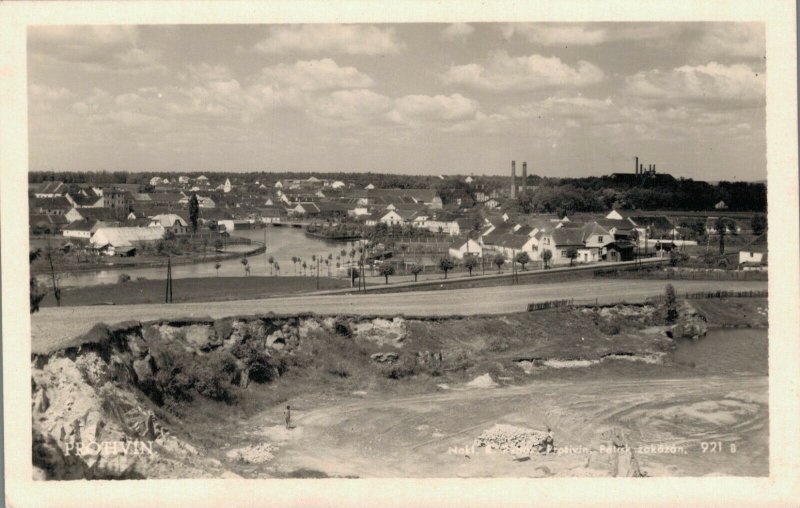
x: 573, y: 100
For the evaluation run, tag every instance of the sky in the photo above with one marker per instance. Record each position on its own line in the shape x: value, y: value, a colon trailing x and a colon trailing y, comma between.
x: 570, y: 99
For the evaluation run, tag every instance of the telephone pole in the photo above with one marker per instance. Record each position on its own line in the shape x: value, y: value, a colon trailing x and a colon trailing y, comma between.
x: 168, y: 291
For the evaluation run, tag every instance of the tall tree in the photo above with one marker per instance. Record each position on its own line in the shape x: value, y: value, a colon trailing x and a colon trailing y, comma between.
x: 722, y: 225
x: 547, y: 255
x: 416, y: 269
x: 386, y: 270
x: 470, y: 262
x: 194, y: 212
x: 523, y: 258
x: 52, y: 256
x: 499, y: 260
x: 445, y: 265
x: 758, y: 223
x: 572, y: 253
x: 37, y: 293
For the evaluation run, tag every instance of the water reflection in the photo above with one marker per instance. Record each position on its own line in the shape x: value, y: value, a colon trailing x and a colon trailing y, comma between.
x: 282, y: 244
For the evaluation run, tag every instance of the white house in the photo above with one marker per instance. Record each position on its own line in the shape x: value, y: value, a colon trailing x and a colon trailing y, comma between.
x: 227, y: 187
x: 183, y: 179
x: 392, y: 218
x: 337, y: 184
x: 170, y: 222
x: 369, y: 187
x: 750, y: 257
x: 82, y: 229
x: 108, y: 240
x: 156, y: 180
x: 465, y: 247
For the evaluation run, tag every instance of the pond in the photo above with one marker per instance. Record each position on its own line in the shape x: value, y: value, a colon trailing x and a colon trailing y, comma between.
x: 282, y: 244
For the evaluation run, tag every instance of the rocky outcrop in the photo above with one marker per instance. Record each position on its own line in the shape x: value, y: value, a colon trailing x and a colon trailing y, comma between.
x: 690, y: 325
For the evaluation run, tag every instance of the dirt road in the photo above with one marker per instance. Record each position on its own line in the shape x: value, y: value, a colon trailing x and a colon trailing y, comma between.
x: 51, y: 327
x: 432, y: 435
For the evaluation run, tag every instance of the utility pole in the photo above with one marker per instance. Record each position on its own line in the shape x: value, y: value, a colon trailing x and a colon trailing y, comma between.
x: 168, y: 290
x: 317, y: 272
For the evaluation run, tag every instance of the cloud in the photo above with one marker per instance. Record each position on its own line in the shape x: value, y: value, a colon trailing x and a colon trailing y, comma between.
x: 47, y: 93
x: 457, y: 31
x: 344, y: 39
x: 548, y: 34
x: 733, y: 40
x: 206, y: 72
x: 504, y: 73
x: 713, y: 82
x: 112, y: 49
x: 349, y: 106
x: 436, y: 108
x: 573, y: 108
x: 589, y: 34
x: 313, y: 75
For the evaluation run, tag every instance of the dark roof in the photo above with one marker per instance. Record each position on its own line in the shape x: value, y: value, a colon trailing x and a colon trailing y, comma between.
x: 567, y: 237
x: 81, y: 225
x: 512, y: 241
x: 623, y: 224
x: 165, y: 197
x: 56, y: 203
x: 104, y: 214
x: 52, y: 188
x: 40, y: 218
x: 656, y: 222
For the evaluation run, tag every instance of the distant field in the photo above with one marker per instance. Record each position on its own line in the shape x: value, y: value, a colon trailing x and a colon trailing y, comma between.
x: 200, y: 289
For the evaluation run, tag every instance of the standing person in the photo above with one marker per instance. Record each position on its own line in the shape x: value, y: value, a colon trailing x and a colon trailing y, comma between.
x: 288, y: 417
x: 549, y: 441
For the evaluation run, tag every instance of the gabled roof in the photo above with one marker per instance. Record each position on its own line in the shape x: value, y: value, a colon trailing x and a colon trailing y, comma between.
x: 82, y: 225
x: 126, y: 236
x: 620, y: 224
x: 566, y: 237
x: 56, y: 203
x: 593, y: 228
x: 36, y: 219
x: 104, y: 214
x: 169, y: 220
x: 52, y: 188
x: 512, y: 241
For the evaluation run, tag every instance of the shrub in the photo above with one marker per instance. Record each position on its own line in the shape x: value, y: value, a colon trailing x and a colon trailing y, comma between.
x: 671, y: 304
x: 405, y: 366
x: 497, y: 344
x: 342, y: 327
x: 123, y: 277
x: 611, y: 326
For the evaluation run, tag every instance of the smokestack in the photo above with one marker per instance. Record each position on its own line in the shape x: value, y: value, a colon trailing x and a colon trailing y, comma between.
x: 513, y: 179
x: 641, y: 169
x: 636, y: 165
x: 524, y: 175
x: 654, y: 168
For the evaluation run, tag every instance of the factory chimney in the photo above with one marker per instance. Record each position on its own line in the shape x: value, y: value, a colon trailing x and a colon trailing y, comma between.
x: 636, y: 165
x: 513, y: 179
x: 524, y: 176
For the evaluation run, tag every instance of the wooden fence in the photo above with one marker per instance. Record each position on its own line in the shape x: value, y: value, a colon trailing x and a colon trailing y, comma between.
x: 682, y: 275
x: 656, y: 299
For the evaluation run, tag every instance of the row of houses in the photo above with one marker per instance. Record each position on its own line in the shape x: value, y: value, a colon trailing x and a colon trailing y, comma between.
x: 568, y: 241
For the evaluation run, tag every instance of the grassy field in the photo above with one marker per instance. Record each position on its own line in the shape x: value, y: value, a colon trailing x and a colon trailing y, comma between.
x: 200, y: 289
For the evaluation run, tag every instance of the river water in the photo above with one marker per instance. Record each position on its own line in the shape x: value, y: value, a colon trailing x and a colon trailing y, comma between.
x: 725, y: 351
x: 282, y: 244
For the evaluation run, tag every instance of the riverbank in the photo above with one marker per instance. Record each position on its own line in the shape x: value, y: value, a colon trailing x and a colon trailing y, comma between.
x: 197, y: 289
x: 122, y: 263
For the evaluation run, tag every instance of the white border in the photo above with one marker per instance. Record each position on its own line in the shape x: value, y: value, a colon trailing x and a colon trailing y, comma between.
x: 781, y: 488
